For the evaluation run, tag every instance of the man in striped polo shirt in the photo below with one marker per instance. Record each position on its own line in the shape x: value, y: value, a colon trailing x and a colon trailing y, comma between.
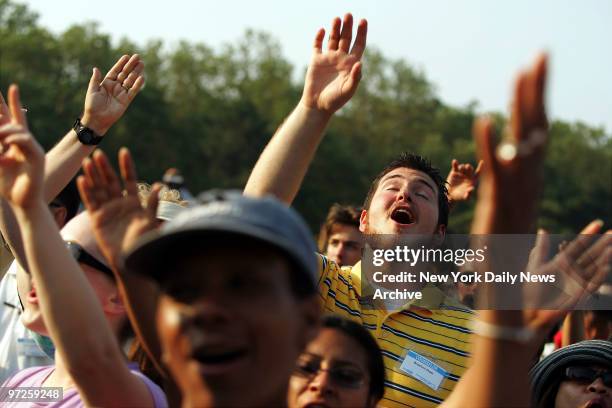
x: 429, y: 335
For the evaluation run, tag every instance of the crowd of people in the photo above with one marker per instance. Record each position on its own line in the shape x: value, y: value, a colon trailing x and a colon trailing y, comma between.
x: 151, y: 297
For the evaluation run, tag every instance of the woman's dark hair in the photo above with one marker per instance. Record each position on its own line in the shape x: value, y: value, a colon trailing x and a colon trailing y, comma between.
x: 376, y: 366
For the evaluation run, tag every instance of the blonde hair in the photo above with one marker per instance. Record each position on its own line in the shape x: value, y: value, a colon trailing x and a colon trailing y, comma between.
x: 166, y: 194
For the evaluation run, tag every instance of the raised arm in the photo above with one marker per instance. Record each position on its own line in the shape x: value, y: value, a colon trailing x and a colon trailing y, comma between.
x: 118, y: 220
x: 70, y: 307
x: 505, y: 342
x: 105, y: 102
x: 331, y: 80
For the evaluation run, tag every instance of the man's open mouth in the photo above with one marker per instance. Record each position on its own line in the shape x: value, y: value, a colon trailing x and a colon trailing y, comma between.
x: 403, y: 216
x: 212, y: 357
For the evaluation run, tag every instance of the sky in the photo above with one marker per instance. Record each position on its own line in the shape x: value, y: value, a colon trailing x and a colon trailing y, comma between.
x: 470, y: 50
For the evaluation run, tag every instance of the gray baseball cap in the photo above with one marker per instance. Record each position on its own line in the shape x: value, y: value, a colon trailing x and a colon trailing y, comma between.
x: 228, y: 213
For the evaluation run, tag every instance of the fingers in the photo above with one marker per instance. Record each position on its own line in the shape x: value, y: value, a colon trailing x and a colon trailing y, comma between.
x: 485, y: 141
x: 106, y: 172
x: 153, y: 200
x: 96, y: 192
x: 478, y: 168
x: 5, y: 114
x: 318, y: 41
x: 346, y: 35
x: 455, y: 165
x: 26, y: 143
x: 116, y: 69
x: 86, y: 192
x: 128, y: 171
x: 540, y: 250
x: 334, y: 35
x: 528, y: 111
x: 94, y: 81
x: 135, y: 74
x: 136, y: 88
x: 17, y: 114
x: 360, y: 40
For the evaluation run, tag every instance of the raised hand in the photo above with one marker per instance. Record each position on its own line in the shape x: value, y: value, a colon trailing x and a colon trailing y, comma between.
x: 462, y: 180
x: 511, y: 175
x: 580, y: 267
x: 22, y: 160
x: 333, y: 76
x: 117, y: 216
x: 108, y: 98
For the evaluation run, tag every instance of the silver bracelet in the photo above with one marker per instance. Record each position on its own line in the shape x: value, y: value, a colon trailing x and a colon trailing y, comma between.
x: 492, y: 331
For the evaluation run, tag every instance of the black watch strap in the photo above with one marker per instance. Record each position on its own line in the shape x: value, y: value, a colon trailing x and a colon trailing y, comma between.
x: 86, y: 135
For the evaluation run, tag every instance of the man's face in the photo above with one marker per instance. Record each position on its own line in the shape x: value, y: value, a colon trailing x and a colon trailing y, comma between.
x: 405, y: 202
x: 344, y: 244
x: 229, y: 321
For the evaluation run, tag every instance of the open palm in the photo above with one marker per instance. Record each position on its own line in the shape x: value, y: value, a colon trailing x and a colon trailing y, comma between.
x: 332, y: 77
x: 118, y: 219
x: 108, y: 99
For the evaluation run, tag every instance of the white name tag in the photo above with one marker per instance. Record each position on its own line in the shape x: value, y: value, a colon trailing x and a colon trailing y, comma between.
x: 423, y: 369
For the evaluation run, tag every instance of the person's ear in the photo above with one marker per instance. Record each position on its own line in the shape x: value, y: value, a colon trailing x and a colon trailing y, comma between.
x: 310, y: 311
x: 363, y: 221
x: 114, y: 305
x: 59, y: 215
x: 439, y: 235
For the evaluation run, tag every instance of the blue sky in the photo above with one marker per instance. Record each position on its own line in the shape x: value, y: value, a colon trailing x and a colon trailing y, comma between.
x: 470, y: 50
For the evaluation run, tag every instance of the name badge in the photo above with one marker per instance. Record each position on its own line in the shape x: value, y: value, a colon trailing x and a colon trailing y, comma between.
x: 28, y: 348
x: 424, y: 370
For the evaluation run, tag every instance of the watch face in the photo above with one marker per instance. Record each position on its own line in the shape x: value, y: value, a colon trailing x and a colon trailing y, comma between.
x: 87, y: 137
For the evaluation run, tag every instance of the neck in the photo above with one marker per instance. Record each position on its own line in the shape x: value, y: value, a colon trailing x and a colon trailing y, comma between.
x: 60, y: 377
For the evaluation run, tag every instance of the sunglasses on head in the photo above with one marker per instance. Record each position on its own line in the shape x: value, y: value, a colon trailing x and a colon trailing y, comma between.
x: 587, y: 375
x: 342, y: 376
x: 84, y: 257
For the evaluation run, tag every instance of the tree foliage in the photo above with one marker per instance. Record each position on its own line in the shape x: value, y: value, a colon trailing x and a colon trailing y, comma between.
x: 211, y: 111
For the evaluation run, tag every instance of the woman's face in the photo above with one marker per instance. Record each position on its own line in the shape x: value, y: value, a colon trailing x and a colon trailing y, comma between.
x: 583, y: 391
x: 332, y: 372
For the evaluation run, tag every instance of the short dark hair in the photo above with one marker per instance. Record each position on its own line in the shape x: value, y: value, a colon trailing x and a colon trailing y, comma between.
x: 415, y: 162
x: 68, y: 198
x: 362, y: 336
x: 338, y: 214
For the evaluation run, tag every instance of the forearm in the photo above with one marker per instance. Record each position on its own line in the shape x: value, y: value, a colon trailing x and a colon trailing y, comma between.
x: 498, y: 374
x: 572, y: 330
x: 282, y: 166
x: 85, y: 339
x: 63, y: 162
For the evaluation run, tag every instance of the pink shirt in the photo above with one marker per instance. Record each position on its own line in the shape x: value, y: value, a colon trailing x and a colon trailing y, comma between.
x: 35, y: 376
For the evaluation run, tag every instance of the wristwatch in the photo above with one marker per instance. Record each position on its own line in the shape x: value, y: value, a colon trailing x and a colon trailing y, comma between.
x: 86, y: 135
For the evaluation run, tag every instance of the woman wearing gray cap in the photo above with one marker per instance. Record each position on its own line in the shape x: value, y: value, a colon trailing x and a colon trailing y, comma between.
x: 579, y: 375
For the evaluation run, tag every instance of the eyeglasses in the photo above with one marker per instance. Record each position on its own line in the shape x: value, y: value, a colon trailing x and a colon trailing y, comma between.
x: 342, y: 376
x: 82, y: 256
x: 587, y: 375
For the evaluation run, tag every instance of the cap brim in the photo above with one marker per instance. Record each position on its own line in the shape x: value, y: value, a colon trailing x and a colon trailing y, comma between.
x: 153, y: 255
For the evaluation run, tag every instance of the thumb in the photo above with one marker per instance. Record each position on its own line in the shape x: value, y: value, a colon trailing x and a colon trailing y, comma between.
x: 94, y: 81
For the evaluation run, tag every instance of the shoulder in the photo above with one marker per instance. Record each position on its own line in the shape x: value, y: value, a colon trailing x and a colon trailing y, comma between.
x: 158, y: 395
x: 32, y: 376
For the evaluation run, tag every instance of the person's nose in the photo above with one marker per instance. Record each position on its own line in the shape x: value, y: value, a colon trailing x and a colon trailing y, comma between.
x: 598, y: 386
x: 321, y: 383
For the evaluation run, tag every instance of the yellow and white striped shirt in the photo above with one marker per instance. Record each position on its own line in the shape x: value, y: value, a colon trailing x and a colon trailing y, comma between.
x: 436, y: 327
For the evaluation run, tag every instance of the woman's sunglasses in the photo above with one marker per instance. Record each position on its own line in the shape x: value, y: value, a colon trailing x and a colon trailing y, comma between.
x: 82, y: 256
x: 587, y: 375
